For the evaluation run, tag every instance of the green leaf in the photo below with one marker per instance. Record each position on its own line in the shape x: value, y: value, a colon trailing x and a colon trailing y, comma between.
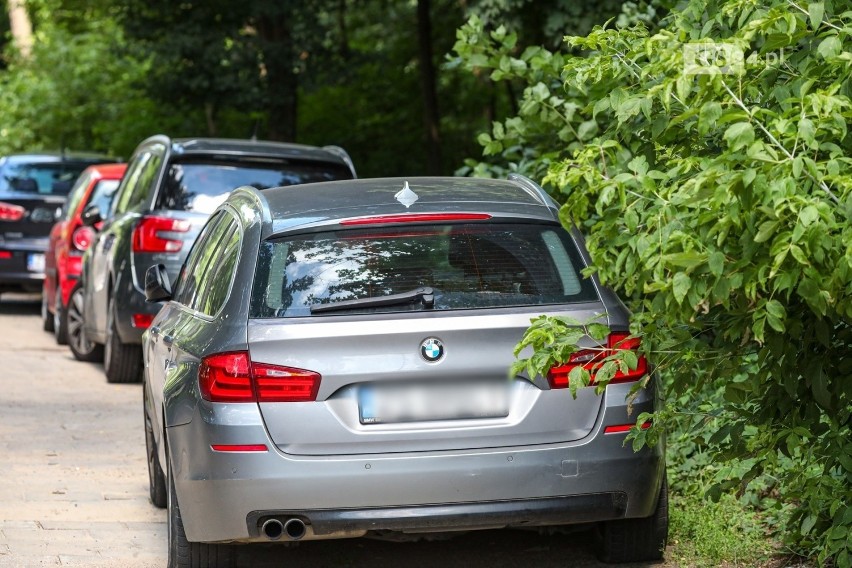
x: 815, y: 12
x: 716, y: 263
x: 765, y: 231
x: 808, y: 215
x: 739, y: 134
x: 830, y: 47
x: 710, y: 113
x: 587, y: 129
x: 807, y: 132
x: 680, y: 286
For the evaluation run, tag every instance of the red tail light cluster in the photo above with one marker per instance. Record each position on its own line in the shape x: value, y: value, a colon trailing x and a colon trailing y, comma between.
x: 82, y: 237
x: 10, y: 212
x: 592, y: 359
x: 147, y: 237
x: 233, y: 377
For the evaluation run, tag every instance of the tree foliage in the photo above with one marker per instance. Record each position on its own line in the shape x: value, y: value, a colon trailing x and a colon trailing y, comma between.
x: 716, y: 192
x: 66, y: 94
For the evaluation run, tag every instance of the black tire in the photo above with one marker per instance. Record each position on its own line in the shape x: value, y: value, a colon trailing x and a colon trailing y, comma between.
x: 637, y: 540
x: 81, y: 347
x: 185, y: 554
x: 60, y: 322
x: 156, y: 478
x: 122, y: 361
x: 46, y: 316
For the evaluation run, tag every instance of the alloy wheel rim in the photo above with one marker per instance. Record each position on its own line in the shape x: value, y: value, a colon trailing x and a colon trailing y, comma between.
x: 75, y: 325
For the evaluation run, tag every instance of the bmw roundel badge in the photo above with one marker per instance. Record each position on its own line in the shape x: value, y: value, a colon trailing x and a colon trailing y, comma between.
x: 432, y: 349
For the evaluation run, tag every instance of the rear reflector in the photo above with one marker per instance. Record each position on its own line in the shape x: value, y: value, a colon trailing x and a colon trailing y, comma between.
x: 5, y: 254
x: 142, y: 321
x: 592, y: 359
x: 233, y: 377
x: 621, y: 428
x: 147, y: 236
x: 417, y: 218
x: 239, y: 448
x: 10, y: 212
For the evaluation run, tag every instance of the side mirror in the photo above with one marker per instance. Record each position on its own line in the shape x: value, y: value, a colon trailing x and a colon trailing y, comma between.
x: 91, y: 216
x: 157, y: 286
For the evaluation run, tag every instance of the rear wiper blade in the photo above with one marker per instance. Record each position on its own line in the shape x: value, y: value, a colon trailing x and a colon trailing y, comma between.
x: 425, y: 294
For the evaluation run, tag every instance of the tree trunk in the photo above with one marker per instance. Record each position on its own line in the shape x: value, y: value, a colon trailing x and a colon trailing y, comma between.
x: 282, y: 82
x: 22, y: 29
x: 210, y: 116
x: 431, y: 117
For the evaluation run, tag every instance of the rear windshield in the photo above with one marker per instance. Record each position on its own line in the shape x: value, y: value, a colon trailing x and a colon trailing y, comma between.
x: 41, y: 178
x: 467, y: 266
x: 201, y: 187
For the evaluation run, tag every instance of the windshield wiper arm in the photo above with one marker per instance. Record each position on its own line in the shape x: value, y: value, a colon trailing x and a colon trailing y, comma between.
x: 423, y: 294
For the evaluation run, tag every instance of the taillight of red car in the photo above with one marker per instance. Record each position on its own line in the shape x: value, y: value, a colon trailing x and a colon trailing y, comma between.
x: 10, y: 212
x: 82, y: 237
x: 592, y: 359
x: 148, y: 234
x: 233, y: 377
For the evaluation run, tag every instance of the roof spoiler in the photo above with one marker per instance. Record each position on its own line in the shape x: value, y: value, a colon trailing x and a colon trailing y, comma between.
x: 536, y: 191
x: 343, y: 155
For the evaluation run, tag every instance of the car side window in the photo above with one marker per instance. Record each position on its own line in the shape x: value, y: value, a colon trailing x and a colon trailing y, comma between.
x: 193, y: 267
x: 141, y: 179
x: 216, y: 281
x: 147, y: 179
x: 128, y: 185
x: 75, y: 196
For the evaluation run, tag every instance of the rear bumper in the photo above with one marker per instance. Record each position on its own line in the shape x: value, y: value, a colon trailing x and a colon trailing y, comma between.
x: 454, y: 516
x: 227, y: 496
x: 14, y: 271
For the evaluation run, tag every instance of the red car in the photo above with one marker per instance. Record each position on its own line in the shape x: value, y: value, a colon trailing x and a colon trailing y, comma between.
x: 69, y: 239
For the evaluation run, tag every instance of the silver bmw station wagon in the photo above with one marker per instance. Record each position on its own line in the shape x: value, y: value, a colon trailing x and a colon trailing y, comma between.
x: 332, y: 362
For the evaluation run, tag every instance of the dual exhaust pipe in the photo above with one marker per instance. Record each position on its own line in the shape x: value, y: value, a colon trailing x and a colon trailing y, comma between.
x: 291, y: 529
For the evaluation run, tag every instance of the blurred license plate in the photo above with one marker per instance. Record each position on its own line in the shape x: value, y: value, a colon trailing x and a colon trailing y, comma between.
x: 35, y: 262
x: 384, y: 404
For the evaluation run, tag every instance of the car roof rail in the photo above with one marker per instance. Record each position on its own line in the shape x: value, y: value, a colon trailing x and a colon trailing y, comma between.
x: 535, y: 190
x: 343, y: 155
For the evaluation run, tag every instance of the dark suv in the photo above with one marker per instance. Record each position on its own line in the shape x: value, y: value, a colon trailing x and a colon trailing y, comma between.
x: 168, y: 192
x: 32, y: 188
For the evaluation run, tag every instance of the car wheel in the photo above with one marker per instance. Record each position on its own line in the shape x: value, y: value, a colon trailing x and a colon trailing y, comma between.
x: 638, y: 540
x: 156, y: 477
x: 185, y: 554
x: 46, y: 316
x: 60, y: 322
x: 122, y: 361
x: 81, y: 347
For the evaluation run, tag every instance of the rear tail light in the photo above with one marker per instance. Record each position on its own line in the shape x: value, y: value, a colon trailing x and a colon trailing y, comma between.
x: 82, y: 237
x: 233, y: 377
x: 142, y: 321
x: 5, y: 254
x: 592, y: 359
x: 147, y: 237
x: 9, y: 212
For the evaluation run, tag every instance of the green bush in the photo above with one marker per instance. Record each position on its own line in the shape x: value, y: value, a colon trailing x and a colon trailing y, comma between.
x: 716, y: 193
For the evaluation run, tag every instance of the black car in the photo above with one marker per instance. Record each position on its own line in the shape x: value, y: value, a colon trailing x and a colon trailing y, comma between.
x: 32, y: 188
x: 169, y: 190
